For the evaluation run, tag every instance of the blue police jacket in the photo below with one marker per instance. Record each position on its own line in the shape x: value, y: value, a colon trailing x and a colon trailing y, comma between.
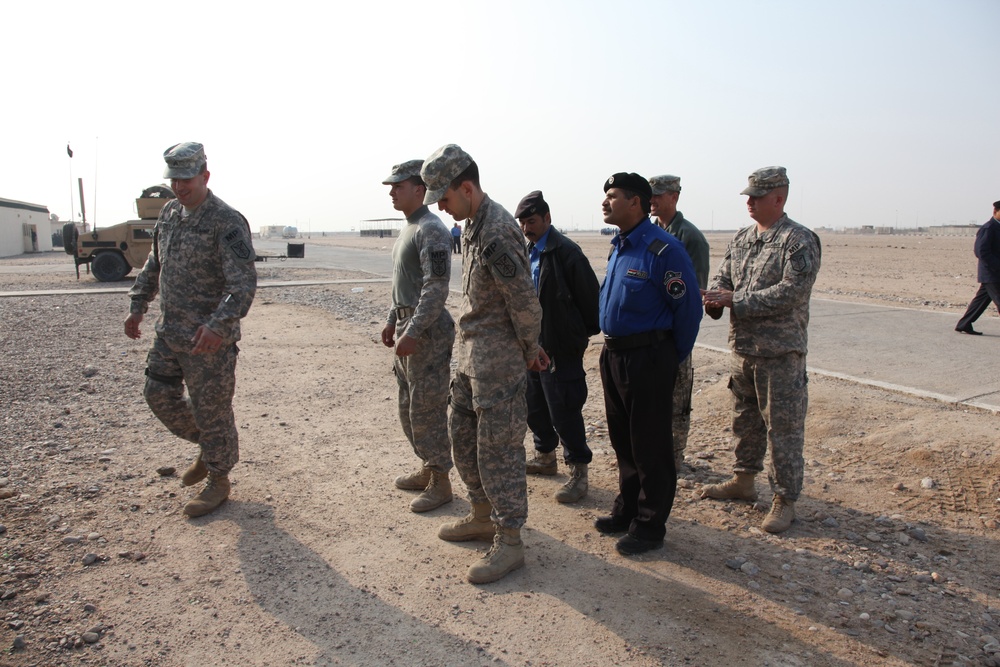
x: 651, y: 285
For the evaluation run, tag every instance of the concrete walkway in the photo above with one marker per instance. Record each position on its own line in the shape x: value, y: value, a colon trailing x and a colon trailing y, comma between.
x: 903, y: 349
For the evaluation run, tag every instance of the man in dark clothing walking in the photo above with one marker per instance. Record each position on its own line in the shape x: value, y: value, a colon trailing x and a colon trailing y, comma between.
x: 987, y: 249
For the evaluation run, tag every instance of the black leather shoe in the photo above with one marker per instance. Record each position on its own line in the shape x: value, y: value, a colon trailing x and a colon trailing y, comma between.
x: 609, y: 525
x: 630, y: 545
x: 969, y: 330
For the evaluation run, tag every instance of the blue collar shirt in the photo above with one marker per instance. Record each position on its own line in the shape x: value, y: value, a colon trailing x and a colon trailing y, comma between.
x: 534, y: 254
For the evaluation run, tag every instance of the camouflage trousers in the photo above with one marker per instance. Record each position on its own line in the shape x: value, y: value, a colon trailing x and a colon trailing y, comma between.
x: 487, y: 424
x: 423, y: 393
x: 205, y: 415
x: 683, y: 386
x: 770, y: 398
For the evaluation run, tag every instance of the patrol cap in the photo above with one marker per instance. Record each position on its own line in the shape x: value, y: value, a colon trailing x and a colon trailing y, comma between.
x: 665, y: 183
x: 764, y: 180
x: 441, y: 168
x: 531, y: 204
x: 630, y: 181
x: 404, y: 171
x: 184, y: 160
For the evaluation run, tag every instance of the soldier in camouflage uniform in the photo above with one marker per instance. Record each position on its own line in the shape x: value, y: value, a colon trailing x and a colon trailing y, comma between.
x: 421, y: 269
x: 765, y: 280
x: 498, y: 328
x: 202, y: 267
x: 663, y: 203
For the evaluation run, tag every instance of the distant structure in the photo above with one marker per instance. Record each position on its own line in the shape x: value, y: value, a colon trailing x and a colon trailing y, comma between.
x: 24, y: 228
x: 382, y: 227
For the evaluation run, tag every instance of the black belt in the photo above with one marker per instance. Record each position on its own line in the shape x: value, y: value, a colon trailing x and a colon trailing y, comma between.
x: 637, y: 340
x: 404, y: 313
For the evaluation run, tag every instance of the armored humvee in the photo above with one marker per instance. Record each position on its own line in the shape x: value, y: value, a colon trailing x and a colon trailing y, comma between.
x: 112, y: 252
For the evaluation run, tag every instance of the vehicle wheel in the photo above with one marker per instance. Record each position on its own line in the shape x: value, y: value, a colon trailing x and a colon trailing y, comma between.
x: 70, y: 235
x: 109, y: 267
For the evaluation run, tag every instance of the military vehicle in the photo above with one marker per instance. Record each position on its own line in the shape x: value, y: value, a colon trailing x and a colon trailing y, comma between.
x: 112, y: 252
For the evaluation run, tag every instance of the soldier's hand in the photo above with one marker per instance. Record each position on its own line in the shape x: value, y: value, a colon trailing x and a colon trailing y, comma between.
x: 405, y: 346
x: 206, y: 341
x: 388, y: 331
x: 717, y: 298
x: 132, y: 323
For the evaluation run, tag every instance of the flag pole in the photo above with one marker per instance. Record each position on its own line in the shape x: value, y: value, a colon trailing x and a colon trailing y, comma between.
x: 95, y: 183
x: 72, y: 208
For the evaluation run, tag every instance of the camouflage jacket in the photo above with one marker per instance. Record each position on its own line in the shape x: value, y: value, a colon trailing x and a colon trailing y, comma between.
x: 500, y: 319
x: 421, y: 269
x: 771, y: 275
x: 203, y: 269
x: 694, y: 242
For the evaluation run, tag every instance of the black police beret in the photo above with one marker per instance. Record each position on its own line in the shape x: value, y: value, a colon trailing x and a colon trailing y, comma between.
x: 630, y: 181
x: 531, y: 204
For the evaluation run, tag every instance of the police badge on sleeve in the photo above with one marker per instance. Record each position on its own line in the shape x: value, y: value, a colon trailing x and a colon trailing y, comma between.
x: 675, y: 284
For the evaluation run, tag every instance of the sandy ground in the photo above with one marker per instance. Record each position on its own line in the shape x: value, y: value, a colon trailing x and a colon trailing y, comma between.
x: 316, y: 559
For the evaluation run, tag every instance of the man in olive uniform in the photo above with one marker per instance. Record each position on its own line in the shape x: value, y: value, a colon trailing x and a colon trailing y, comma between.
x: 663, y: 204
x: 766, y: 280
x: 202, y: 266
x: 498, y: 329
x: 421, y: 269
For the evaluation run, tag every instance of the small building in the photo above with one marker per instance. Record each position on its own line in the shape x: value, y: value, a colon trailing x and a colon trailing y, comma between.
x: 382, y: 227
x: 24, y: 228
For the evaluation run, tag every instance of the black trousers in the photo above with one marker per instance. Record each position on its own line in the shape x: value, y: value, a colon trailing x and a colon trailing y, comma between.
x: 555, y: 409
x: 987, y: 292
x: 638, y: 398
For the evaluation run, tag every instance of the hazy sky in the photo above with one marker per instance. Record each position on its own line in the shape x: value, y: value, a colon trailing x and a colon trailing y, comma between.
x: 884, y: 112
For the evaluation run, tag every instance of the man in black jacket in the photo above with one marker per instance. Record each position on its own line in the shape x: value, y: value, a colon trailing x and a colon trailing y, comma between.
x: 987, y: 249
x: 568, y: 292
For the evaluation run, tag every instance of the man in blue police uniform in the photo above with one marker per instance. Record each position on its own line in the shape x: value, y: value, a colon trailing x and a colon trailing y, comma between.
x: 650, y: 313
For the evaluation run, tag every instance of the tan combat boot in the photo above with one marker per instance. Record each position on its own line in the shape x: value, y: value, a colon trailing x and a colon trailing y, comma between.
x: 738, y: 487
x: 416, y: 481
x: 195, y: 473
x: 505, y: 556
x: 576, y: 488
x: 213, y: 495
x: 476, y: 525
x: 544, y: 463
x: 780, y: 518
x: 437, y: 493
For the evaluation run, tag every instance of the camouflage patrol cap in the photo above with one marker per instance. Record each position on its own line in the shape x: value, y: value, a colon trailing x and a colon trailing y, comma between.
x: 441, y: 168
x: 665, y: 183
x: 404, y: 171
x: 532, y: 203
x: 184, y: 160
x: 630, y: 181
x: 764, y: 180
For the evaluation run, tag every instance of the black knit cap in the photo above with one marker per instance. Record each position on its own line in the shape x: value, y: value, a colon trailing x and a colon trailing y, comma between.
x: 630, y: 181
x: 531, y: 204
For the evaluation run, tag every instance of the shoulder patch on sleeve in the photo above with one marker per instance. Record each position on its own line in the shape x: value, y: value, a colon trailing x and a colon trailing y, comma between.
x: 505, y: 266
x: 489, y: 250
x: 439, y: 262
x: 241, y: 249
x: 656, y: 246
x: 674, y: 283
